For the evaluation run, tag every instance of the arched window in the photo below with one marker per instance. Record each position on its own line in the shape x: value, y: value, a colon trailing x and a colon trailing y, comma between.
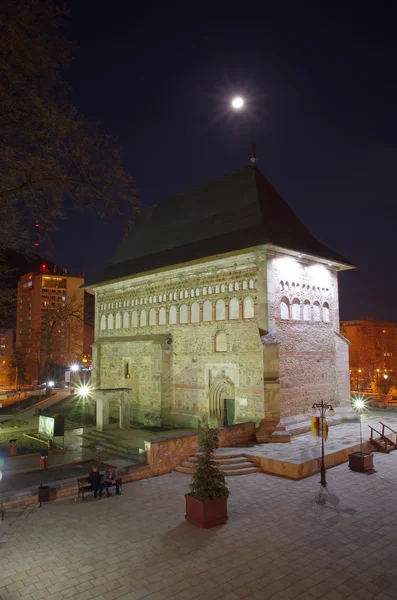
x: 150, y: 299
x: 180, y: 295
x: 126, y: 320
x: 234, y: 309
x: 220, y: 342
x: 326, y: 318
x: 230, y: 287
x: 286, y: 286
x: 152, y: 316
x: 306, y: 311
x: 197, y: 291
x: 186, y: 294
x: 172, y: 316
x: 251, y: 284
x: 118, y: 321
x: 195, y: 313
x: 223, y: 288
x: 103, y: 322
x: 282, y: 286
x: 154, y: 299
x: 220, y: 312
x: 245, y: 285
x: 248, y: 308
x: 183, y: 311
x: 110, y: 322
x: 160, y: 297
x: 284, y: 308
x: 207, y: 311
x: 175, y: 295
x: 170, y: 296
x: 192, y: 293
x: 210, y: 289
x: 143, y: 318
x: 204, y: 291
x: 316, y: 312
x: 217, y: 289
x: 236, y: 286
x: 134, y: 318
x: 296, y: 309
x: 162, y: 316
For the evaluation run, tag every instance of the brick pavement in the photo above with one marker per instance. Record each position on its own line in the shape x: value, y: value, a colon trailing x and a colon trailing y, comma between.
x: 285, y: 540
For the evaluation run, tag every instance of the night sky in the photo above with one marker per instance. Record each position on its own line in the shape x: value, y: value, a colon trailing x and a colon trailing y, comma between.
x: 321, y: 90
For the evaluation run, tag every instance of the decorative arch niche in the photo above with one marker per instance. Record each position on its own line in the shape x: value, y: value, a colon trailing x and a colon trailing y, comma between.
x: 222, y: 387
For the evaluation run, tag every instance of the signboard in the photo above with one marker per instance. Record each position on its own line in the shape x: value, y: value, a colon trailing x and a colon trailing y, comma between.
x: 67, y: 376
x: 46, y: 426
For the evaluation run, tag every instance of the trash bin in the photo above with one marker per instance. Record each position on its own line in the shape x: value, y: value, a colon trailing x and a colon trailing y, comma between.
x: 44, y: 493
x: 43, y: 459
x: 13, y: 447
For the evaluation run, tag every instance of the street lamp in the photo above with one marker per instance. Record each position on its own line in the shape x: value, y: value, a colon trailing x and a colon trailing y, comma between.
x: 51, y: 384
x: 323, y: 408
x: 359, y: 405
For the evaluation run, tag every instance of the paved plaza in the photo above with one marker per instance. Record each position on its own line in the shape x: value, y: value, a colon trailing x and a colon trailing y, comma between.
x: 284, y: 539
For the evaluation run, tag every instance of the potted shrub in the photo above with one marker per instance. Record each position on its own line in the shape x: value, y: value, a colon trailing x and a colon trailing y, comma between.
x: 206, y: 504
x: 360, y: 461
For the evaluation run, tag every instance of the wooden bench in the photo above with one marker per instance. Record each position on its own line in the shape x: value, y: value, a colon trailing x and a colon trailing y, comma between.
x: 84, y: 487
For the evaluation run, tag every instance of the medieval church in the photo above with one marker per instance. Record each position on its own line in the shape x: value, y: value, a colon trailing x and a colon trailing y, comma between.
x: 219, y: 307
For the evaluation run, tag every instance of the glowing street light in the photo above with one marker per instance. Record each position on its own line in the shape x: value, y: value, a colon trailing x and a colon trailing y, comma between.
x: 237, y: 103
x: 385, y: 376
x: 75, y: 368
x: 51, y: 384
x: 84, y: 391
x: 359, y: 405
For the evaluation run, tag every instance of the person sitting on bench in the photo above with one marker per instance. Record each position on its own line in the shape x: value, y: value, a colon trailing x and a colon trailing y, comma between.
x: 111, y: 479
x: 95, y: 479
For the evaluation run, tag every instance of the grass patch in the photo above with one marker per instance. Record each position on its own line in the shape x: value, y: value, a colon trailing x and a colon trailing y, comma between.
x: 17, y: 423
x: 25, y: 445
x: 77, y: 412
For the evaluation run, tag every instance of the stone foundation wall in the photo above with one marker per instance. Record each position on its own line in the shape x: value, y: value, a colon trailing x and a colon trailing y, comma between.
x: 165, y: 454
x: 242, y: 433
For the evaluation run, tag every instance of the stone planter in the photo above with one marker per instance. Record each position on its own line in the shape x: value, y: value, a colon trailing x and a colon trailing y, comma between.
x: 361, y: 461
x: 206, y: 514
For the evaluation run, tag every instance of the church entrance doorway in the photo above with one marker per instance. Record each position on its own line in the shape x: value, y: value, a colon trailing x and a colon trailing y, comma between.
x: 221, y: 400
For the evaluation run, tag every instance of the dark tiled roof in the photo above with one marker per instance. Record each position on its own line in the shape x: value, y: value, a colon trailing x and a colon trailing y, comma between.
x: 231, y: 213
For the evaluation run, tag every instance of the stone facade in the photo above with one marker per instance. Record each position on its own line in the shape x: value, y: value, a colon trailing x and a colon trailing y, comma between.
x: 258, y: 327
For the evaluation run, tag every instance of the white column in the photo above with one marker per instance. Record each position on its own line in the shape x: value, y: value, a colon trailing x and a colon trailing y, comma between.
x: 102, y: 412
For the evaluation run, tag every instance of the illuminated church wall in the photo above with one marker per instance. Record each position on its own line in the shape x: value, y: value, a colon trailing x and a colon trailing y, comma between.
x: 176, y: 342
x: 304, y: 314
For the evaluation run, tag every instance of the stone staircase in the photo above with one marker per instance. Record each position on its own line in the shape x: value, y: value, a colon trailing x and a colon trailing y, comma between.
x: 115, y: 447
x: 229, y: 464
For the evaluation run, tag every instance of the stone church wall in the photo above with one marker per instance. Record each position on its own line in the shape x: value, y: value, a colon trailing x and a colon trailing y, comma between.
x: 304, y: 316
x: 176, y: 334
x: 183, y: 338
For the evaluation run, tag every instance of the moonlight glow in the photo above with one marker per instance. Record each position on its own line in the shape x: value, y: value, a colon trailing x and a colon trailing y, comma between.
x: 237, y: 103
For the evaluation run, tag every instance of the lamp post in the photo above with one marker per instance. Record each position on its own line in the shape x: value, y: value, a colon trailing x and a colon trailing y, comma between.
x: 323, y: 408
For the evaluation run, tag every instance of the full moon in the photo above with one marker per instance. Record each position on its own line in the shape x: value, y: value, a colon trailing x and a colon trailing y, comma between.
x: 237, y: 102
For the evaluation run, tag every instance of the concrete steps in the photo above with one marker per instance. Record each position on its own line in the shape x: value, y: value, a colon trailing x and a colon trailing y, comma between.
x: 229, y: 465
x: 114, y: 447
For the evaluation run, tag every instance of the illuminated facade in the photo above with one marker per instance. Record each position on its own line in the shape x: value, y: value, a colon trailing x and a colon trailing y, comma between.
x: 40, y: 295
x: 219, y: 306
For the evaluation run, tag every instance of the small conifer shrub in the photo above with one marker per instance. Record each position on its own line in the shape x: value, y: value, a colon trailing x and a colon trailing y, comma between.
x: 208, y: 483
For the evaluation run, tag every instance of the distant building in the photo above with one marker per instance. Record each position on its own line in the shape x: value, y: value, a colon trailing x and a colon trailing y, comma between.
x: 7, y: 340
x: 373, y: 351
x: 49, y: 326
x: 219, y: 306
